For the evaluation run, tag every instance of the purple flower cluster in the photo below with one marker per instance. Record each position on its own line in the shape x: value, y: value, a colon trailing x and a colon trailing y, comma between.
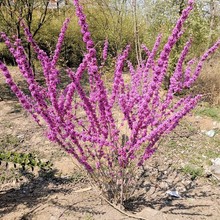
x: 88, y: 125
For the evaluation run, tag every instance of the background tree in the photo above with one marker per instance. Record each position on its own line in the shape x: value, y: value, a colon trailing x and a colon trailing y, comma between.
x: 122, y: 22
x: 34, y: 13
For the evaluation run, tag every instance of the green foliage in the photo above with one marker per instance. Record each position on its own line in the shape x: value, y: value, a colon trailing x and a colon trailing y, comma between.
x: 6, y: 55
x: 193, y: 171
x: 77, y: 177
x: 212, y: 154
x: 24, y: 160
x: 73, y: 46
x: 9, y: 140
x: 114, y: 20
x: 212, y: 112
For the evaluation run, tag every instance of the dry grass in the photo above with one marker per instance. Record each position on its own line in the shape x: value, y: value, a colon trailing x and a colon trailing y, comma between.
x: 209, y: 81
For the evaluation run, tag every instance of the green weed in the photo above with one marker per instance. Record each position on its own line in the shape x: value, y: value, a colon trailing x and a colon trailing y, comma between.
x: 9, y: 140
x: 16, y: 108
x: 193, y: 171
x: 23, y: 160
x: 211, y: 112
x: 212, y: 154
x: 77, y: 177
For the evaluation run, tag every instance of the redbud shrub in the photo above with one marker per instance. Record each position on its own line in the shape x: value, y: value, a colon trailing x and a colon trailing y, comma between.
x: 110, y: 132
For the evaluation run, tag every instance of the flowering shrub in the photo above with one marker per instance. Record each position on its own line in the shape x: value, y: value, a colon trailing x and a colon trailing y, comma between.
x: 110, y: 133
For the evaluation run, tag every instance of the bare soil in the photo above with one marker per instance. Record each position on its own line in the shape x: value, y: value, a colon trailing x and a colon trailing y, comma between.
x: 66, y: 193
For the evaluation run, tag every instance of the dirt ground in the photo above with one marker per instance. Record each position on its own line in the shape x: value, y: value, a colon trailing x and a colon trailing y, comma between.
x: 65, y: 192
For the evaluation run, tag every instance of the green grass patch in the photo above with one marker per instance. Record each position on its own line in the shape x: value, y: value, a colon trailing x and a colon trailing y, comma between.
x: 212, y: 112
x: 193, y: 171
x: 211, y: 154
x: 9, y: 140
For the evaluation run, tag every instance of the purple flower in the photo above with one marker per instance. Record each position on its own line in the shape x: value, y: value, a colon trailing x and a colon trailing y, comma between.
x: 90, y: 124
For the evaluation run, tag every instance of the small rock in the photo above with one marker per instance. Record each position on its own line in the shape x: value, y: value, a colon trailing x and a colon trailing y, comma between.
x: 20, y: 136
x: 173, y: 193
x: 216, y: 162
x: 215, y: 168
x: 210, y: 133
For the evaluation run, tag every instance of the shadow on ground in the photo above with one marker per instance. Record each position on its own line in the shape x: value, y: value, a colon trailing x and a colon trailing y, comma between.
x: 6, y: 93
x: 35, y: 193
x: 155, y: 181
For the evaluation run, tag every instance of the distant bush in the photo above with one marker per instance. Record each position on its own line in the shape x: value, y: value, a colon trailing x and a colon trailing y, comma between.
x: 208, y: 83
x: 6, y: 55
